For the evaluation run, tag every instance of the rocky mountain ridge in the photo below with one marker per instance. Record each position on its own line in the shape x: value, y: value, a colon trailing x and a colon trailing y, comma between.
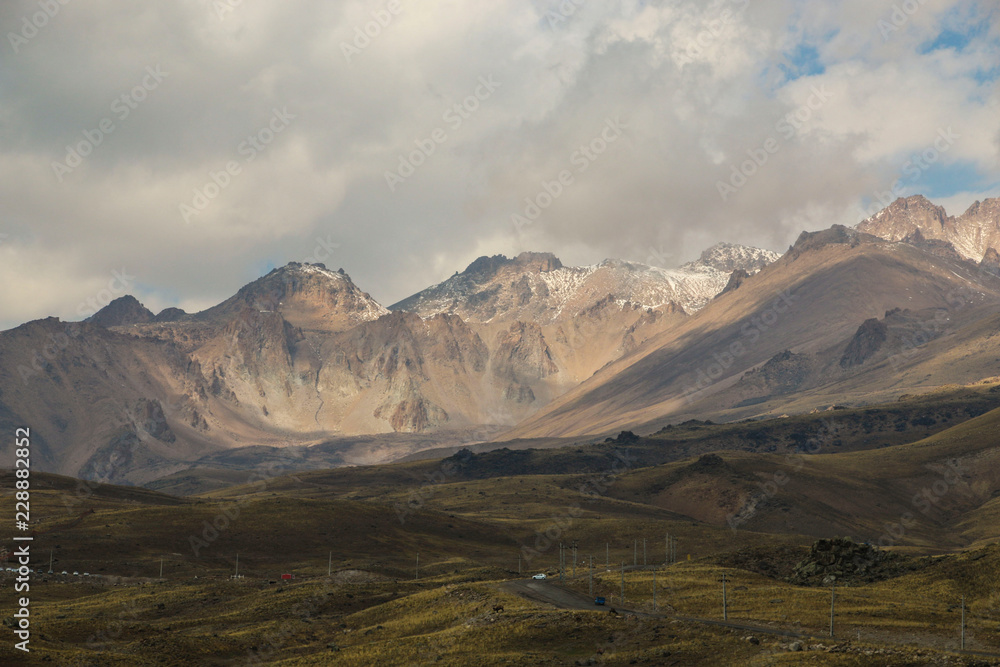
x: 537, y: 286
x: 302, y: 354
x: 972, y: 234
x: 302, y: 357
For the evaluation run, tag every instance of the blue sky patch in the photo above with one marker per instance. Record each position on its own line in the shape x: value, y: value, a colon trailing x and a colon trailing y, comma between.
x: 801, y: 61
x: 944, y: 180
x: 962, y: 27
x: 984, y: 76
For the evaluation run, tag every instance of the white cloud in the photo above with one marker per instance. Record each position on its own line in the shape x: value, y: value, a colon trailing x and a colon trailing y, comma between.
x: 691, y: 114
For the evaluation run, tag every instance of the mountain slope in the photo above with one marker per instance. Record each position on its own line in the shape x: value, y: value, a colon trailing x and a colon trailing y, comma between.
x: 578, y: 318
x: 811, y: 302
x: 939, y: 492
x: 299, y: 357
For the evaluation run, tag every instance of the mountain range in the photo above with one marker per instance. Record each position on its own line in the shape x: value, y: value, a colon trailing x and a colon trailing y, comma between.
x: 972, y: 234
x: 303, y: 360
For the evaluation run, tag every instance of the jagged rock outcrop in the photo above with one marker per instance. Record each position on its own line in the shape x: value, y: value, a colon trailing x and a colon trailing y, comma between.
x: 938, y: 247
x: 844, y: 561
x: 866, y: 342
x: 153, y: 421
x: 170, y: 315
x: 729, y: 257
x: 835, y: 235
x: 309, y: 296
x: 781, y: 374
x: 537, y: 287
x: 735, y: 280
x: 971, y: 234
x: 123, y: 311
x: 990, y: 262
x: 522, y: 355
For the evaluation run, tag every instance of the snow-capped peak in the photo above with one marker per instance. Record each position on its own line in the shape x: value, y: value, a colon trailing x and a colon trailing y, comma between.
x: 728, y: 257
x: 537, y: 287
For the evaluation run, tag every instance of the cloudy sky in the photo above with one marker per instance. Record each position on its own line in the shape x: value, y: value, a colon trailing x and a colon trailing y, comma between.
x: 193, y: 145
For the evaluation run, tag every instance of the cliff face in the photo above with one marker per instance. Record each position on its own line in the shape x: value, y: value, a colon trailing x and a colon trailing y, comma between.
x: 971, y: 234
x: 302, y: 355
x: 866, y: 342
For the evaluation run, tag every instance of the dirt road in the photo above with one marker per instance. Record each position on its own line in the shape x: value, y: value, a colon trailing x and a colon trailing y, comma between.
x: 549, y: 592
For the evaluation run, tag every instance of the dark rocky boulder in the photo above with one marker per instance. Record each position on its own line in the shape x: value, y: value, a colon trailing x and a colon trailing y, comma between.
x: 866, y: 342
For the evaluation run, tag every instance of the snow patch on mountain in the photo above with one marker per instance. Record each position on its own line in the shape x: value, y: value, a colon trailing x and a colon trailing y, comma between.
x: 537, y: 287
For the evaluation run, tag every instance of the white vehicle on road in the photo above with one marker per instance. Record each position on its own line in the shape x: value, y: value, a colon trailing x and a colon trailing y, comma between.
x: 539, y: 576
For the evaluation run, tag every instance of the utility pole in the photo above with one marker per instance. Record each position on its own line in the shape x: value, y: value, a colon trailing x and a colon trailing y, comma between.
x: 725, y: 608
x: 963, y: 622
x: 666, y: 546
x: 237, y: 565
x: 161, y: 568
x: 623, y: 583
x: 574, y: 560
x: 607, y: 551
x: 644, y: 552
x: 329, y: 565
x: 50, y: 560
x: 591, y: 575
x: 519, y: 563
x: 833, y: 599
x: 416, y: 574
x: 635, y: 552
x: 654, y: 588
